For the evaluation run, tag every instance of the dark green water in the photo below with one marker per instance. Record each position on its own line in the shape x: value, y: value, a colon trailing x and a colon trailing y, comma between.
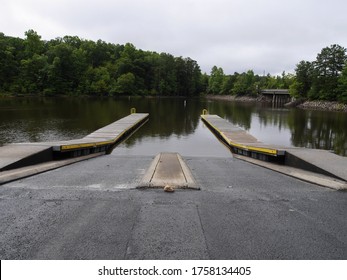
x: 174, y: 123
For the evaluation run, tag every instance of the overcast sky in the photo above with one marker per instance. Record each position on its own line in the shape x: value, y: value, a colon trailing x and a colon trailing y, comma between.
x: 237, y: 35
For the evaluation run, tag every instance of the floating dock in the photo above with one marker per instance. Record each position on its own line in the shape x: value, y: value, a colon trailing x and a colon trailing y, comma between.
x: 242, y: 143
x: 101, y: 141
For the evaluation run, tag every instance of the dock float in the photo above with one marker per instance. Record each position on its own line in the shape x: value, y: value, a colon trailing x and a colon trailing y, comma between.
x: 101, y: 141
x: 242, y: 143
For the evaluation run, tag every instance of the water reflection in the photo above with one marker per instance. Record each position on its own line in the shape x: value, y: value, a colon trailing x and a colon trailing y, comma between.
x: 49, y: 119
x: 174, y: 122
x: 319, y: 130
x: 168, y: 117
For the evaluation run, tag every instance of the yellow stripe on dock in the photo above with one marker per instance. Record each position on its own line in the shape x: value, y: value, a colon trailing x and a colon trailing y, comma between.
x: 84, y: 146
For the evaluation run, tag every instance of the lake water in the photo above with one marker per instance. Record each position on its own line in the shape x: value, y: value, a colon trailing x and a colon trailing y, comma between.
x: 174, y: 124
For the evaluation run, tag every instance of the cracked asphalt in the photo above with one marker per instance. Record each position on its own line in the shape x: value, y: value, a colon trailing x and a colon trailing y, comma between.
x: 92, y: 210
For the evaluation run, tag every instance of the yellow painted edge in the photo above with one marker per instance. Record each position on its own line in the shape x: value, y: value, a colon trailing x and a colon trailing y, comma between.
x: 264, y: 150
x: 86, y: 145
x: 214, y: 127
x: 241, y: 146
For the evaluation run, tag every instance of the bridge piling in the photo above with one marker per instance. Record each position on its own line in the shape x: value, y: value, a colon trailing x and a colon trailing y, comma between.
x: 279, y: 96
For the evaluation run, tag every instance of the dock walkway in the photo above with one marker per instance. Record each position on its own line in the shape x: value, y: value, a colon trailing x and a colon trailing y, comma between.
x: 23, y: 154
x: 241, y: 142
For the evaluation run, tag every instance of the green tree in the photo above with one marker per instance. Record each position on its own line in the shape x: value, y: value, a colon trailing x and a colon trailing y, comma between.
x: 125, y: 84
x: 165, y: 78
x: 99, y: 81
x: 342, y: 87
x: 215, y: 81
x: 33, y: 74
x: 228, y: 84
x: 11, y: 54
x: 188, y: 77
x: 270, y: 82
x: 328, y: 67
x: 67, y: 70
x: 303, y: 79
x: 33, y: 43
x: 245, y: 84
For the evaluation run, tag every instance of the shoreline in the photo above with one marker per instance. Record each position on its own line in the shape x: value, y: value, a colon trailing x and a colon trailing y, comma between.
x: 323, y: 106
x: 305, y: 105
x: 243, y: 98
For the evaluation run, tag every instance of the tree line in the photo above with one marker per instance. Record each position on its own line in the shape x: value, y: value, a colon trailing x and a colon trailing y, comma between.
x: 325, y: 78
x: 322, y: 79
x: 75, y: 66
x: 246, y: 83
x: 70, y: 65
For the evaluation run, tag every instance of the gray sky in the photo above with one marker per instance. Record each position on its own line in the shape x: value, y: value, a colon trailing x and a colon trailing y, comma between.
x: 237, y: 35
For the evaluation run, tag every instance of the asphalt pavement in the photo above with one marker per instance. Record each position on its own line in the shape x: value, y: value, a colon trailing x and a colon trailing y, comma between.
x: 92, y: 210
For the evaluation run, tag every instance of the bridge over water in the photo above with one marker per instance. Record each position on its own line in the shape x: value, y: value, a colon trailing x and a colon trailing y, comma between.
x: 279, y: 96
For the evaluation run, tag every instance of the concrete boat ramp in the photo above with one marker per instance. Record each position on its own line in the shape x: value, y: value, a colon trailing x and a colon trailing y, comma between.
x: 311, y: 160
x: 168, y: 168
x: 101, y: 141
x: 319, y: 161
x: 92, y: 209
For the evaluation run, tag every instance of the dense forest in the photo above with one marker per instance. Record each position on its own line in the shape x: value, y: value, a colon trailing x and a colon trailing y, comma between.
x: 74, y: 66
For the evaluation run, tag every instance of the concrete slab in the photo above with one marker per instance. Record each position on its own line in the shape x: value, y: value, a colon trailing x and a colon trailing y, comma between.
x: 27, y: 171
x: 168, y: 235
x: 12, y: 154
x: 301, y: 174
x: 168, y: 169
x: 320, y: 160
x: 90, y: 210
